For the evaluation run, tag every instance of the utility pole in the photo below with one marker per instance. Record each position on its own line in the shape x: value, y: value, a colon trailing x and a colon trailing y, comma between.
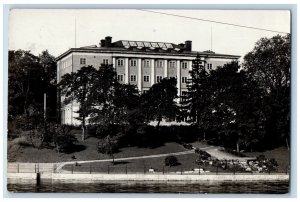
x: 45, y: 96
x: 211, y: 39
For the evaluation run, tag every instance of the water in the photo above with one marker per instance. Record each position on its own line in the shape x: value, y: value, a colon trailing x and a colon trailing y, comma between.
x: 154, y: 187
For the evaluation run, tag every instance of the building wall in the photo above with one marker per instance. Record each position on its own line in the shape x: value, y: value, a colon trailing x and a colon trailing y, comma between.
x: 216, y: 62
x: 72, y: 63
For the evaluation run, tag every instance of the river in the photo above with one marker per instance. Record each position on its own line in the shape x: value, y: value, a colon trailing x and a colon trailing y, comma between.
x: 212, y: 187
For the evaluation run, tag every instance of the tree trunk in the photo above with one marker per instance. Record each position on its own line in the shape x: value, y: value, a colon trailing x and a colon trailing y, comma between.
x: 158, y: 123
x: 237, y: 147
x: 83, y: 129
x: 287, y: 143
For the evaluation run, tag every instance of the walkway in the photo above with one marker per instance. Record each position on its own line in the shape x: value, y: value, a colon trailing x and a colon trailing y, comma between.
x: 216, y: 152
x: 60, y: 166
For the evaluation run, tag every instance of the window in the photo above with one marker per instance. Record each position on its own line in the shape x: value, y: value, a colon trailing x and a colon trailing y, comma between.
x: 120, y: 62
x: 133, y: 63
x: 184, y: 65
x: 209, y: 66
x: 120, y: 77
x: 82, y: 61
x: 146, y: 78
x: 105, y: 61
x: 132, y: 77
x: 146, y: 63
x: 158, y: 79
x: 184, y: 95
x: 183, y: 79
x: 160, y: 63
x: 172, y: 64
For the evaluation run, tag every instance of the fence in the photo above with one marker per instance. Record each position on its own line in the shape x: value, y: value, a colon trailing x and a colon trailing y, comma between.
x: 124, y: 169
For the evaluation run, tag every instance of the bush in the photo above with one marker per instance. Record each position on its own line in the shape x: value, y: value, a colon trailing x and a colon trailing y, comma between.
x: 261, y: 157
x: 107, y: 130
x: 63, y: 139
x: 171, y: 161
x: 187, y: 146
x: 203, y: 155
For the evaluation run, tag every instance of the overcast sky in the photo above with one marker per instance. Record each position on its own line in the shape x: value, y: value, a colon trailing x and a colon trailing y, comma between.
x: 37, y: 30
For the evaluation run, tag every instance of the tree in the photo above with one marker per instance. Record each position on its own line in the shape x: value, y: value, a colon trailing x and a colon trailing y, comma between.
x: 199, y: 95
x: 24, y: 75
x: 108, y: 145
x: 78, y: 87
x: 126, y: 104
x: 103, y: 93
x: 48, y: 64
x: 269, y: 65
x: 159, y: 101
x: 236, y: 106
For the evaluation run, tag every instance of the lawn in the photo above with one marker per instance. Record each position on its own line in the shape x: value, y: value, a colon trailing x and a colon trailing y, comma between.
x: 19, y: 151
x: 186, y: 163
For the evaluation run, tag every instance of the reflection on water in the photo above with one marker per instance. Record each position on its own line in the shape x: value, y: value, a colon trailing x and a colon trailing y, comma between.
x: 153, y: 187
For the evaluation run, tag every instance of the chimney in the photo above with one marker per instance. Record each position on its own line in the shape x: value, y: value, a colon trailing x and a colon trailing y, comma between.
x: 102, y: 43
x: 188, y: 45
x: 108, y: 41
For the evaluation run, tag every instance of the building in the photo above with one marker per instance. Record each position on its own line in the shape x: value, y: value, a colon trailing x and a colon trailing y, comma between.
x: 141, y: 63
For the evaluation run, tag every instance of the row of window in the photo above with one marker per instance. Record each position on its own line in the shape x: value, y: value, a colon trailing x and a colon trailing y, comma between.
x: 83, y: 61
x: 133, y: 78
x: 133, y: 63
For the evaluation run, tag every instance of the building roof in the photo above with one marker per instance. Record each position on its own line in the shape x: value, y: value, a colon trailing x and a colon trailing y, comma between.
x: 147, y: 48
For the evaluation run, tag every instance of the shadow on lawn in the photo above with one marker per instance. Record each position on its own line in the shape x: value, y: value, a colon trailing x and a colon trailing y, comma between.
x: 75, y: 148
x: 120, y: 162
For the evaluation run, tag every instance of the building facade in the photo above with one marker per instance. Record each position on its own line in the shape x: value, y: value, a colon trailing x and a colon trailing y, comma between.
x: 140, y: 63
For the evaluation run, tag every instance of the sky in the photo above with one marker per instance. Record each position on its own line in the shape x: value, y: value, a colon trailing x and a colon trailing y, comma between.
x: 40, y: 29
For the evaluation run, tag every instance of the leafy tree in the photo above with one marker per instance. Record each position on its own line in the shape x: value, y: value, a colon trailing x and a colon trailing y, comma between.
x: 199, y: 95
x: 236, y: 106
x: 78, y: 86
x: 103, y: 93
x: 29, y: 78
x: 159, y: 101
x: 269, y: 65
x: 24, y: 75
x: 114, y: 103
x: 127, y: 109
x: 108, y: 145
x: 48, y: 64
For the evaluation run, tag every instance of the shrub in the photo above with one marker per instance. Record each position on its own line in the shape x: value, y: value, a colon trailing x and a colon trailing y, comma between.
x: 203, y: 155
x: 261, y: 157
x: 63, y: 139
x: 171, y: 161
x: 187, y: 146
x: 107, y: 130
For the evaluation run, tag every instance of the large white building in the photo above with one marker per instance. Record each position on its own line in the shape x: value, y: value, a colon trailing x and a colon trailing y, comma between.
x: 141, y: 63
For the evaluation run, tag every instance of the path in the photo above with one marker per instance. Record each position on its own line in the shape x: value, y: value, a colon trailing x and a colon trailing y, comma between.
x: 216, y: 152
x: 60, y: 166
